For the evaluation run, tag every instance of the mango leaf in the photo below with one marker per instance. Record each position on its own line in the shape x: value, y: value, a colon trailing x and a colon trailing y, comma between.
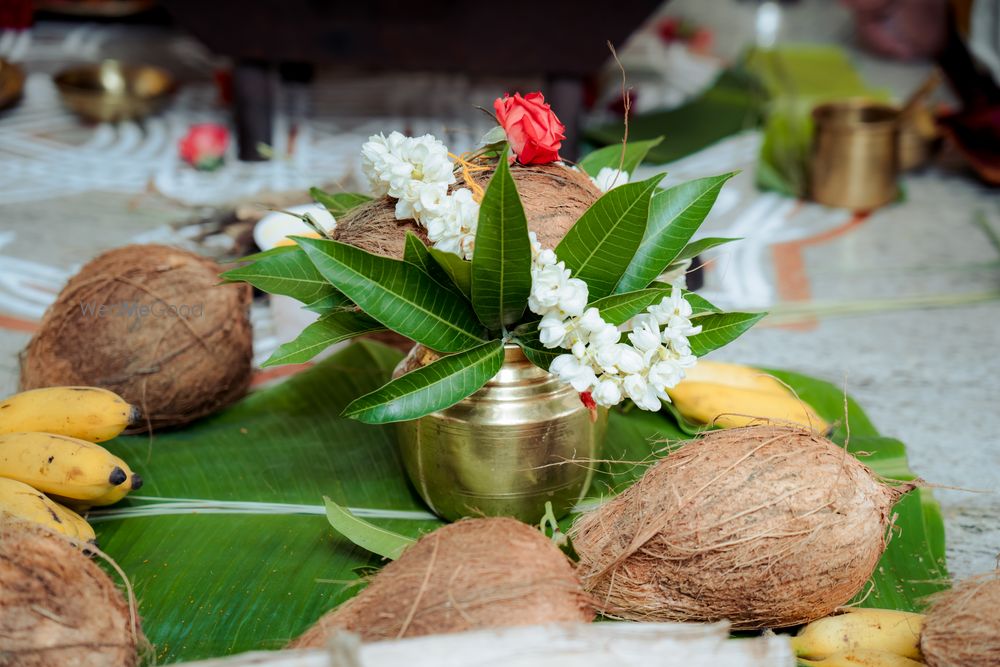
x: 718, y: 329
x: 600, y: 246
x: 229, y: 550
x: 329, y: 329
x: 434, y: 387
x: 501, y: 265
x: 338, y: 203
x: 618, y: 308
x: 366, y: 535
x: 416, y: 253
x: 288, y: 272
x: 611, y: 156
x: 674, y: 216
x: 533, y: 349
x: 459, y: 271
x: 329, y: 303
x: 695, y: 248
x: 397, y: 294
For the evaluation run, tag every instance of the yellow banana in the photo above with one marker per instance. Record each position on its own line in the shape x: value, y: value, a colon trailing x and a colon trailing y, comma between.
x: 84, y: 531
x: 735, y: 375
x: 66, y: 467
x: 863, y: 658
x: 875, y: 629
x: 20, y: 501
x: 88, y: 413
x: 733, y: 407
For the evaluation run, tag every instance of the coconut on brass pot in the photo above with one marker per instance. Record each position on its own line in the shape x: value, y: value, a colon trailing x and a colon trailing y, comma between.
x: 531, y: 288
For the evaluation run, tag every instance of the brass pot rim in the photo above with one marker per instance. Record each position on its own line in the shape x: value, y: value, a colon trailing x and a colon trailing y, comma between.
x: 850, y: 114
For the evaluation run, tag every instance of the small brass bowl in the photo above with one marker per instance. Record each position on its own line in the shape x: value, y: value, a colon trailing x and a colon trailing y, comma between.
x: 112, y: 91
x: 11, y: 83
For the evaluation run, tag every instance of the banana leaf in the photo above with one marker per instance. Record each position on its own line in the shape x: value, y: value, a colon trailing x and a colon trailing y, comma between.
x: 229, y: 548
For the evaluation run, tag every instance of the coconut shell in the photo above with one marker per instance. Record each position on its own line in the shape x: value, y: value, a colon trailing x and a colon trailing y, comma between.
x: 57, y: 607
x: 176, y: 365
x: 554, y: 198
x: 766, y: 526
x: 473, y: 574
x: 962, y: 627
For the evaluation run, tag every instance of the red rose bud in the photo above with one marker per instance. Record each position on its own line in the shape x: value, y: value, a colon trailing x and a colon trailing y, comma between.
x: 204, y: 146
x: 533, y: 130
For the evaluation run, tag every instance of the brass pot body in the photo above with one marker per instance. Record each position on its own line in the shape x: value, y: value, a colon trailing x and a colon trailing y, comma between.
x: 523, y: 439
x: 854, y: 161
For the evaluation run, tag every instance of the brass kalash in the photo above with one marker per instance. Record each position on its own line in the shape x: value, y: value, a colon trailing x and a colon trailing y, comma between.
x: 524, y: 439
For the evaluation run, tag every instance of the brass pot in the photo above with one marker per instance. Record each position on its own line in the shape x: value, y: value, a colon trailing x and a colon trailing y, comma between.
x: 854, y: 161
x: 523, y: 439
x: 112, y: 91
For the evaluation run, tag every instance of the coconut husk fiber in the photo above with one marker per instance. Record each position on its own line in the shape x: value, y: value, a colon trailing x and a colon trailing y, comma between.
x: 766, y: 526
x: 188, y: 357
x: 57, y: 607
x: 554, y: 198
x: 962, y: 627
x: 473, y: 574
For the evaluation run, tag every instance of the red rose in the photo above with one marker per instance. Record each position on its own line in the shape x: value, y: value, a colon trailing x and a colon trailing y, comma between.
x: 204, y: 146
x: 533, y: 130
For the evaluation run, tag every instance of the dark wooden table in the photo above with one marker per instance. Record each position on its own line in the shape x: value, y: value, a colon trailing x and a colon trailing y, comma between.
x: 564, y: 42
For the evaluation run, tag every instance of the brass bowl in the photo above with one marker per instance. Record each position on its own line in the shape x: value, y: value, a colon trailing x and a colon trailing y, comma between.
x: 11, y: 83
x: 113, y: 91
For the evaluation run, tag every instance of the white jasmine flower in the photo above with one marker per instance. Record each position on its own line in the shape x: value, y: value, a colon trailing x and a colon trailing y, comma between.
x: 637, y: 388
x: 552, y: 330
x: 591, y: 321
x: 645, y: 334
x: 664, y: 375
x: 629, y: 360
x: 401, y: 166
x: 673, y: 306
x: 609, y: 178
x: 606, y: 335
x: 451, y: 222
x: 569, y: 369
x: 607, y: 357
x: 546, y: 285
x: 607, y: 393
x: 573, y: 296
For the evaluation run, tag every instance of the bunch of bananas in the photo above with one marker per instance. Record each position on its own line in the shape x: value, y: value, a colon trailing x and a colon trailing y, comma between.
x: 731, y: 396
x: 48, y: 459
x: 861, y: 638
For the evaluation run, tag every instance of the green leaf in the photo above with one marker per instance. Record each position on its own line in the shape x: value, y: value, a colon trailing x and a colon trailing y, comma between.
x: 289, y: 272
x: 213, y: 581
x: 695, y: 248
x: 611, y: 156
x: 533, y: 349
x: 718, y: 329
x: 338, y: 203
x: 674, y: 216
x: 434, y: 387
x: 416, y: 253
x: 321, y: 334
x: 501, y: 265
x: 600, y: 246
x: 397, y: 294
x: 329, y: 303
x: 459, y: 271
x: 366, y: 535
x: 618, y: 308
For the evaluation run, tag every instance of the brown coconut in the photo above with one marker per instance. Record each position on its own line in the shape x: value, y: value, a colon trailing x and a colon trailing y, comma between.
x: 188, y: 358
x: 473, y: 574
x: 962, y: 627
x: 554, y: 198
x: 57, y: 607
x: 766, y: 526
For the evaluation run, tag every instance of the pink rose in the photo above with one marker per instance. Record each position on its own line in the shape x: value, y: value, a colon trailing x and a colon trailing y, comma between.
x: 533, y: 130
